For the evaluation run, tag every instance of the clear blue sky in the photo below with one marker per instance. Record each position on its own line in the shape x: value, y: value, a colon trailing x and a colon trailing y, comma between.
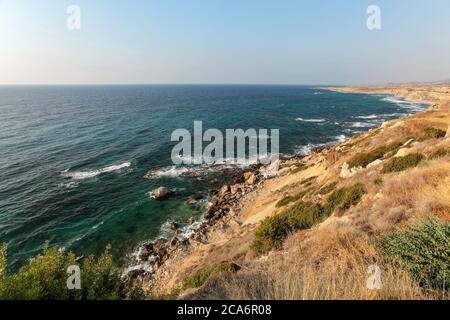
x: 224, y: 41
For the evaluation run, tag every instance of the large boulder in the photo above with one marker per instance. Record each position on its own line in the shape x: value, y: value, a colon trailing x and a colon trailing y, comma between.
x: 347, y: 172
x: 224, y: 190
x: 250, y: 178
x: 160, y: 193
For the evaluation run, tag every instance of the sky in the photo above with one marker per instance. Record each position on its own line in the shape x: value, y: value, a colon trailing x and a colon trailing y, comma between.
x: 223, y: 42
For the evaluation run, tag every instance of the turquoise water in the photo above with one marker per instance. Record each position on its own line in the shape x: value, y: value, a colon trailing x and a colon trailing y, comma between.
x: 72, y: 158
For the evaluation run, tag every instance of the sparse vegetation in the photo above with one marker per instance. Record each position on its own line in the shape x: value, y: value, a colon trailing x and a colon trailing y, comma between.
x: 289, y: 199
x: 378, y: 181
x: 403, y: 163
x: 200, y: 277
x: 302, y: 215
x: 308, y: 182
x: 273, y: 230
x: 328, y: 188
x: 423, y: 250
x: 344, y: 198
x: 439, y: 153
x: 45, y: 277
x: 298, y: 167
x: 363, y: 159
x: 331, y: 266
x: 432, y: 133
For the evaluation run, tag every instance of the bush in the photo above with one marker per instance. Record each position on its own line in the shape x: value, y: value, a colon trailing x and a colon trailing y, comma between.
x: 432, y: 133
x: 378, y: 181
x: 303, y: 215
x: 439, y: 153
x: 299, y: 167
x: 423, y: 250
x: 328, y: 188
x: 344, y: 198
x: 403, y: 163
x: 285, y: 201
x: 201, y: 276
x: 363, y: 159
x: 273, y: 230
x: 45, y: 277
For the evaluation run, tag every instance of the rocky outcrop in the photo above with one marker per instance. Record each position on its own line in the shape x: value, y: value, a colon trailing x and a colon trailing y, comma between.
x: 250, y: 178
x: 347, y: 172
x: 160, y: 193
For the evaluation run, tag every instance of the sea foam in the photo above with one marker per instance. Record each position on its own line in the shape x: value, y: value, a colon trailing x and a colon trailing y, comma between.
x: 81, y: 175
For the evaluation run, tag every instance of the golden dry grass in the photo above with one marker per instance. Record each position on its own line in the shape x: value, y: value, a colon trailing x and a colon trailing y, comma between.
x: 332, y: 266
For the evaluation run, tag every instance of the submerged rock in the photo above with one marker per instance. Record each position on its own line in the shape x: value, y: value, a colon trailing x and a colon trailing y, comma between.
x: 161, y: 193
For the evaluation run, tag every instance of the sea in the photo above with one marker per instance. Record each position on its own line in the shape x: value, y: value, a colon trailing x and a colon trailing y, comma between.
x: 73, y: 158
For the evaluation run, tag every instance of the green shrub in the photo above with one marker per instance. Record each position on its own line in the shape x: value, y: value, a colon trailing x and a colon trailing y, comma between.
x: 45, y: 277
x: 363, y: 159
x: 344, y: 198
x: 423, y: 250
x: 285, y: 201
x: 273, y: 230
x: 439, y: 153
x: 303, y: 215
x: 403, y: 163
x: 432, y: 133
x: 299, y: 167
x: 328, y: 188
x: 201, y: 276
x: 309, y: 181
x: 378, y: 181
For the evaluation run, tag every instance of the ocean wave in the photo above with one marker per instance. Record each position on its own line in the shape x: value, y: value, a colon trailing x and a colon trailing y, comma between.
x: 310, y: 120
x: 340, y: 138
x: 81, y: 175
x: 190, y: 170
x: 372, y: 116
x: 362, y: 124
x: 412, y: 106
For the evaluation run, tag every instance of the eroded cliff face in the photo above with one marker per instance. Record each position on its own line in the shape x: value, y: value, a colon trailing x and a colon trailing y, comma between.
x: 402, y: 168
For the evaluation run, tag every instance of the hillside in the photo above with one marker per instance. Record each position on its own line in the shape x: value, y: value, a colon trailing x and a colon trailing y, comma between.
x: 309, y: 228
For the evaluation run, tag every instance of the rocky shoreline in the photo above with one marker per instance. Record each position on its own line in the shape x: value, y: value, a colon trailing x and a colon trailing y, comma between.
x: 224, y: 204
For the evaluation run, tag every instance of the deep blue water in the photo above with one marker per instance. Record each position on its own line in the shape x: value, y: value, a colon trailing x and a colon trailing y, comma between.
x: 72, y: 158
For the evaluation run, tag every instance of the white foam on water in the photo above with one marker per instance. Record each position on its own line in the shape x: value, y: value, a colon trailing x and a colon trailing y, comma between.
x: 81, y: 175
x: 310, y: 120
x: 341, y: 138
x: 362, y: 124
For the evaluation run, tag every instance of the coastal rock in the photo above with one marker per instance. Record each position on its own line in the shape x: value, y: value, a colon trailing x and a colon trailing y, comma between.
x: 402, y: 152
x: 160, y: 193
x: 190, y: 221
x: 194, y: 198
x: 173, y: 226
x: 346, y: 172
x: 272, y: 169
x: 375, y: 163
x: 224, y: 190
x: 143, y: 254
x: 407, y: 143
x: 250, y: 178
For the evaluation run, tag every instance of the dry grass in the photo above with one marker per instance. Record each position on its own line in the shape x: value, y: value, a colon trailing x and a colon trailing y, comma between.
x: 332, y: 266
x: 419, y: 190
